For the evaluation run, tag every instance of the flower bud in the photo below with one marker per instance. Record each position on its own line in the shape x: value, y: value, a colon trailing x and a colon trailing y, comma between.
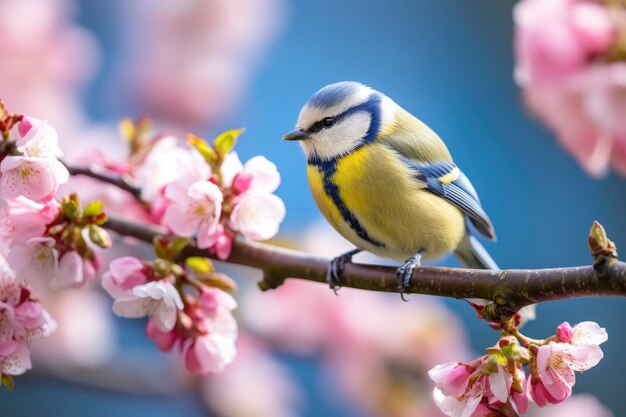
x: 99, y: 236
x: 564, y: 332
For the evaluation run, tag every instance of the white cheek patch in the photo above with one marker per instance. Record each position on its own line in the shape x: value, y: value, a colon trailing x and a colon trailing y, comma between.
x: 339, y: 139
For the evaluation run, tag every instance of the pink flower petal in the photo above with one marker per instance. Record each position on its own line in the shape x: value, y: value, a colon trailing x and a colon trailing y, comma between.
x: 30, y: 177
x: 581, y: 357
x: 178, y: 218
x: 17, y: 362
x: 70, y: 269
x: 266, y: 177
x: 230, y: 168
x: 258, y: 217
x: 588, y: 332
x: 498, y: 385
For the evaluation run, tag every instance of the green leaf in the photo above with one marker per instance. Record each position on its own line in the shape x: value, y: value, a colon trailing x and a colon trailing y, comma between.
x: 93, y: 209
x: 207, y: 152
x: 226, y: 141
x: 199, y: 264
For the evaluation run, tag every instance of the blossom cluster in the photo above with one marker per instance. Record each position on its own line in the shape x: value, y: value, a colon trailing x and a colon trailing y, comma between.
x: 185, y: 306
x: 224, y: 197
x: 23, y: 320
x: 571, y: 64
x: 44, y: 242
x: 496, y: 383
x: 207, y: 194
x: 197, y: 189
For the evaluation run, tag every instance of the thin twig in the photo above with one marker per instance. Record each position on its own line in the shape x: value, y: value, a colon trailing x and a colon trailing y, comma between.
x: 510, y: 290
x: 104, y: 176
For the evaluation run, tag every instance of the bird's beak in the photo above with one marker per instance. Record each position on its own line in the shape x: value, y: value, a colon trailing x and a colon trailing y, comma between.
x: 296, y: 134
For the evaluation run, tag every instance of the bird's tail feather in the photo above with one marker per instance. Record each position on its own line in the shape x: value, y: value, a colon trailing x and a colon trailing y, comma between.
x: 472, y: 254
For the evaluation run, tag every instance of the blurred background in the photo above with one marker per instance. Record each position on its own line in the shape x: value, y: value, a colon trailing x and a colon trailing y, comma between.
x: 210, y: 65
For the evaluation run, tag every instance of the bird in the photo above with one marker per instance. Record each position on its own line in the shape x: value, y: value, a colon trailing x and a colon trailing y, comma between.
x: 387, y: 182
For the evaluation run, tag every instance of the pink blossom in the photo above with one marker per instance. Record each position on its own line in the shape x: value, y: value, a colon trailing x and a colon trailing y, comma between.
x: 34, y: 178
x: 520, y: 398
x: 10, y: 287
x: 258, y: 175
x: 22, y: 219
x: 213, y: 351
x: 557, y: 38
x: 37, y: 261
x: 460, y: 393
x: 35, y: 320
x: 123, y: 275
x: 561, y: 49
x: 74, y: 270
x: 465, y: 405
x: 37, y: 173
x: 223, y: 243
x: 215, y: 347
x: 22, y: 320
x: 214, y: 301
x: 157, y: 299
x: 258, y: 217
x: 194, y: 206
x: 17, y: 361
x: 8, y: 328
x: 168, y: 161
x: 230, y: 168
x: 164, y: 340
x: 37, y: 139
x: 588, y: 333
x: 538, y: 392
x: 29, y: 314
x: 451, y: 378
x: 558, y: 361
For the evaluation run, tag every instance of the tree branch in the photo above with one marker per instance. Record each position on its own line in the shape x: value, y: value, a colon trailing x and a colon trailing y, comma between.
x: 102, y: 175
x: 510, y: 290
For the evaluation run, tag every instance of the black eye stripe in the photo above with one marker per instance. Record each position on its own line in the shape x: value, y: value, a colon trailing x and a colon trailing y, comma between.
x: 321, y: 124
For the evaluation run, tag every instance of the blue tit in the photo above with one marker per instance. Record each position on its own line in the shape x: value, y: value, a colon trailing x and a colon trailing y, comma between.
x: 387, y: 183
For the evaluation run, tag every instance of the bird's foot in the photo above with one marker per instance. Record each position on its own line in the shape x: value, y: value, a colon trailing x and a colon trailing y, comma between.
x: 406, y: 271
x: 336, y: 268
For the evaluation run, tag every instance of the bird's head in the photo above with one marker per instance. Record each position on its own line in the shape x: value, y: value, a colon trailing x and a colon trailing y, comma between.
x: 339, y: 118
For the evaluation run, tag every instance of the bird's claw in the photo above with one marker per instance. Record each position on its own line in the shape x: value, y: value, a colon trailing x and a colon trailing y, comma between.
x: 405, y: 272
x: 336, y: 268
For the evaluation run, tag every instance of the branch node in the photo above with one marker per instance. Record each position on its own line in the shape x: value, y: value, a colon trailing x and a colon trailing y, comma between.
x: 271, y: 281
x: 599, y: 243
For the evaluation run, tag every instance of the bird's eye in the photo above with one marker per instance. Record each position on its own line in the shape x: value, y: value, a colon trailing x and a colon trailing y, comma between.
x: 328, y: 121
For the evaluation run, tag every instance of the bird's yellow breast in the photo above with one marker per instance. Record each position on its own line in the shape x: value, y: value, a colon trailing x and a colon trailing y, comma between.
x: 399, y: 217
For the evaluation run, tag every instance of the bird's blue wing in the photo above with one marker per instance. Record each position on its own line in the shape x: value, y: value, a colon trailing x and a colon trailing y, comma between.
x: 446, y: 180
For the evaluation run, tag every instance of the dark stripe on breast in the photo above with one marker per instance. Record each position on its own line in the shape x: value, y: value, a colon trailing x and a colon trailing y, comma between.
x: 328, y: 168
